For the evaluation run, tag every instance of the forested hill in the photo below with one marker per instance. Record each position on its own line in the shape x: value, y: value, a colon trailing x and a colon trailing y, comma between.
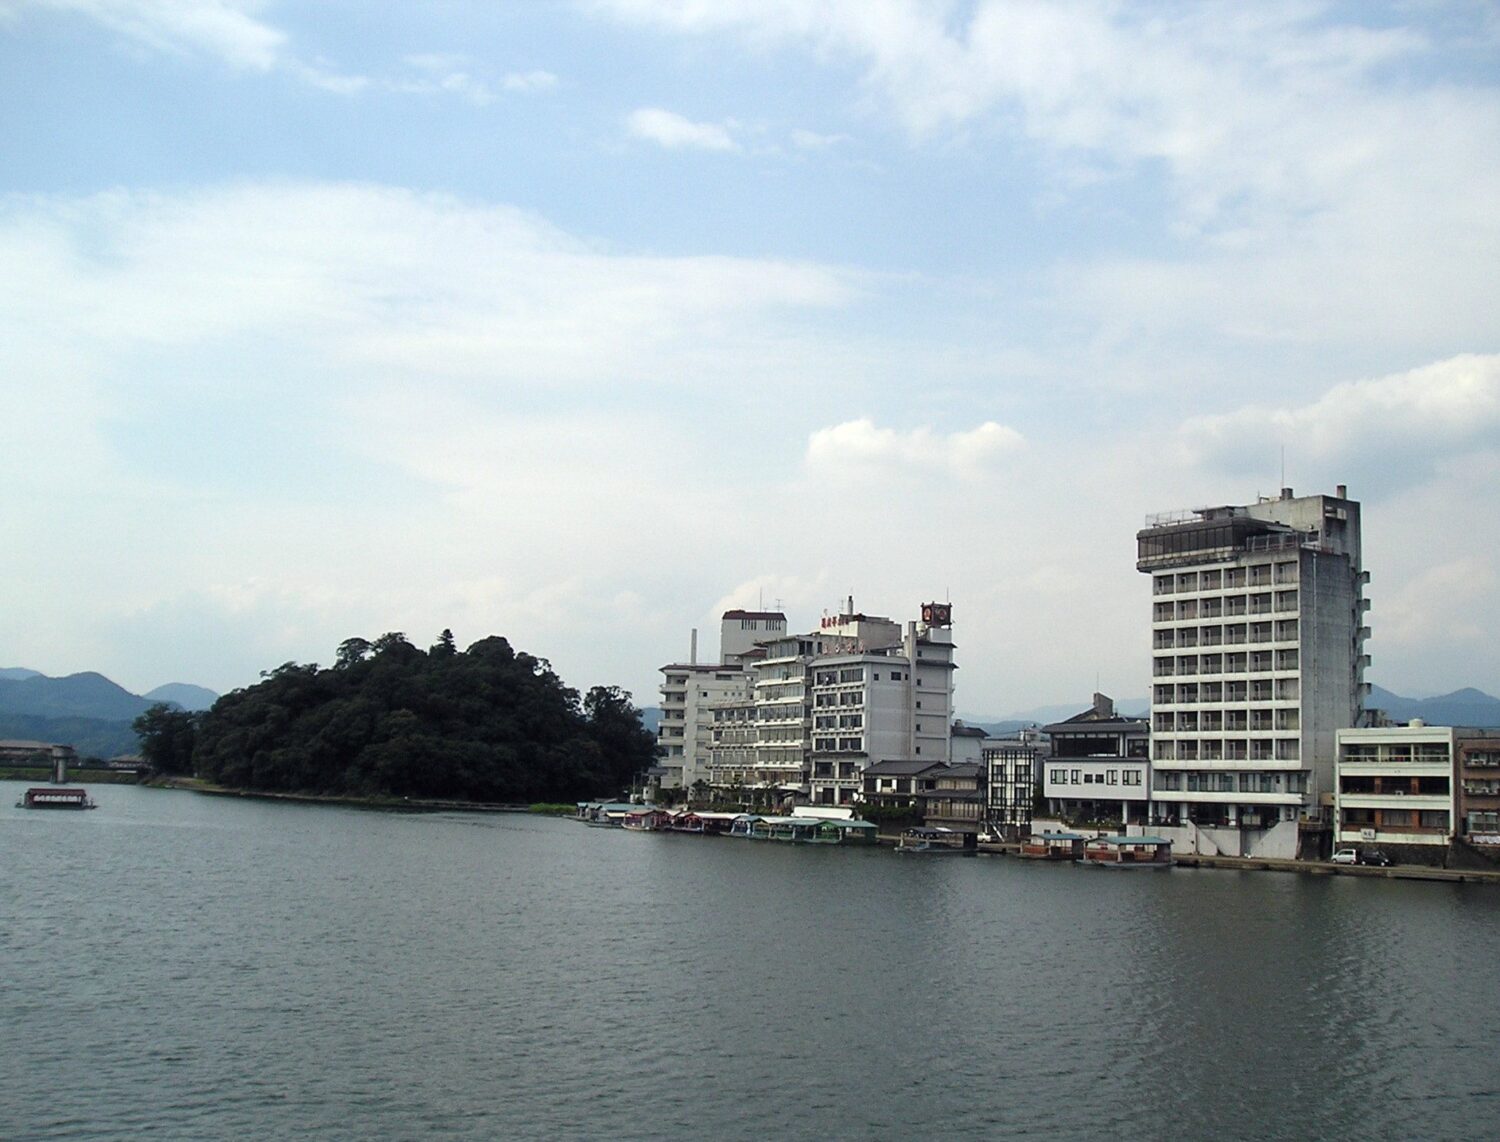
x: 485, y: 724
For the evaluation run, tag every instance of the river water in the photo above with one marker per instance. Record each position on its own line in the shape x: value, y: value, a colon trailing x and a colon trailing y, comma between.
x: 183, y: 966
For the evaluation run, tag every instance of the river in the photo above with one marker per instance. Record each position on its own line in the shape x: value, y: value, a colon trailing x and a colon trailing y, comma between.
x: 181, y: 966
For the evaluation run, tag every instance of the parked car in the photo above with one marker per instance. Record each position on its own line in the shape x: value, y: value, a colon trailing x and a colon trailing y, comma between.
x: 1375, y: 857
x: 1346, y: 856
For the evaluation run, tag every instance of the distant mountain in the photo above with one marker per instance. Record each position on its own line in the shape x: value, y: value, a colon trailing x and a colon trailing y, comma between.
x: 1466, y: 707
x: 1045, y: 715
x: 87, y: 695
x: 91, y: 737
x: 1001, y: 729
x: 186, y: 695
x: 86, y: 711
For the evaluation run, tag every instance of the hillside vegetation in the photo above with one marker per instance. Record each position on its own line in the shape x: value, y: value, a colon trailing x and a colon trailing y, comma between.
x: 485, y: 724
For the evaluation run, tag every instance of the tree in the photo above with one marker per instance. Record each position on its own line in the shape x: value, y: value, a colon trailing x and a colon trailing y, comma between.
x: 486, y: 724
x: 352, y: 650
x: 168, y: 735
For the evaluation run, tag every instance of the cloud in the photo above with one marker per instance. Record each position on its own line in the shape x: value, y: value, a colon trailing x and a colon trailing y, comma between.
x: 670, y: 130
x: 220, y: 28
x: 528, y: 82
x: 461, y: 415
x: 1306, y: 191
x: 445, y: 408
x: 1389, y: 430
x: 860, y: 449
x: 812, y: 141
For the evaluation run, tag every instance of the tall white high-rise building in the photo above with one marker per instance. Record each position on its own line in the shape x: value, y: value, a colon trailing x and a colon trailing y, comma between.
x: 692, y: 691
x: 1257, y: 634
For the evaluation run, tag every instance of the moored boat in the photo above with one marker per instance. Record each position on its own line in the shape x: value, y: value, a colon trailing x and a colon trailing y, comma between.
x: 645, y: 819
x: 55, y: 797
x: 1053, y: 846
x: 1128, y: 852
x: 930, y: 841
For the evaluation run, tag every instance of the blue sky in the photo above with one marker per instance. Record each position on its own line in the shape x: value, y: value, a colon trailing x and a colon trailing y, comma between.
x: 580, y: 322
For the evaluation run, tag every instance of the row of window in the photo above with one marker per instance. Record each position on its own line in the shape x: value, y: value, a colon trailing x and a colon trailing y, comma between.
x: 1230, y: 634
x: 1195, y: 782
x: 1108, y: 777
x: 1396, y: 818
x: 1261, y: 575
x: 839, y: 745
x: 1228, y: 749
x: 1223, y: 606
x: 1219, y: 693
x: 1225, y: 721
x: 1413, y: 752
x: 1238, y: 662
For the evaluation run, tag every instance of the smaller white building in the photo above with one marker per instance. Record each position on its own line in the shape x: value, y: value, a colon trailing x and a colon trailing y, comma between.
x: 690, y: 693
x: 1100, y: 768
x: 1395, y: 785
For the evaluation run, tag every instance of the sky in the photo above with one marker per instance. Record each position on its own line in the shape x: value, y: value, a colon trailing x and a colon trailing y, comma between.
x: 580, y: 323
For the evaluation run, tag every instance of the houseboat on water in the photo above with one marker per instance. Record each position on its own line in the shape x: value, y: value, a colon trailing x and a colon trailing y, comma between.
x: 1128, y: 852
x: 55, y: 797
x: 1053, y: 846
x: 606, y: 814
x: 646, y: 819
x: 804, y: 829
x: 930, y: 841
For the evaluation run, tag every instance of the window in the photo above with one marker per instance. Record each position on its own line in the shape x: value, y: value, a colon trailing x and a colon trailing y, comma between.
x: 1112, y: 777
x: 1059, y: 777
x: 1076, y: 781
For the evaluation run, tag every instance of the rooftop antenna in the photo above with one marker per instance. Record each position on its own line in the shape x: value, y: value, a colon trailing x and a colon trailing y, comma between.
x: 1283, y: 466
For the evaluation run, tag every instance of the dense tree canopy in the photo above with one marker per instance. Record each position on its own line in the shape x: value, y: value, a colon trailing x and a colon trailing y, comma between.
x: 167, y: 734
x: 485, y: 724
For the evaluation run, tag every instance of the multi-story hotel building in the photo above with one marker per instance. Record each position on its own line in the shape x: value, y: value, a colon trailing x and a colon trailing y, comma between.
x: 826, y: 704
x: 879, y: 694
x: 1257, y: 628
x: 691, y: 693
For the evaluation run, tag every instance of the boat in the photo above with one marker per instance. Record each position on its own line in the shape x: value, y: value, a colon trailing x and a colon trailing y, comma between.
x: 937, y: 842
x: 1053, y: 846
x: 645, y: 819
x: 840, y: 831
x: 55, y: 797
x: 1128, y: 852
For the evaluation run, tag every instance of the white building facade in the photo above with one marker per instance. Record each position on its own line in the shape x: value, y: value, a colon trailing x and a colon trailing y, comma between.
x: 1396, y: 786
x: 691, y: 693
x: 824, y: 705
x: 1258, y: 661
x: 1100, y: 768
x: 878, y: 694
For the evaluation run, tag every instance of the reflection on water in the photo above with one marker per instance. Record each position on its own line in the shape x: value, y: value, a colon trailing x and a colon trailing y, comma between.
x: 197, y: 967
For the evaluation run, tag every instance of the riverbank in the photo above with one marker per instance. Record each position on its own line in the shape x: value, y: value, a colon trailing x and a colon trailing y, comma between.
x: 77, y: 774
x: 383, y: 804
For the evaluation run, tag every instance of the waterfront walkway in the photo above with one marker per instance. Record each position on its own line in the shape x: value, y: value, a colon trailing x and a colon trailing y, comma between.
x: 1328, y: 868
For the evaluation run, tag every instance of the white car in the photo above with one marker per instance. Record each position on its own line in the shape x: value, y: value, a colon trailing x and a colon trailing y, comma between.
x: 1346, y: 856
